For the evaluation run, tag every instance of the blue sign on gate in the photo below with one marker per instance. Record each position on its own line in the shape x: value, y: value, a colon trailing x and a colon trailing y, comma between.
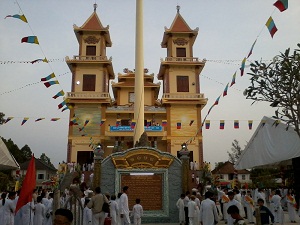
x: 128, y: 128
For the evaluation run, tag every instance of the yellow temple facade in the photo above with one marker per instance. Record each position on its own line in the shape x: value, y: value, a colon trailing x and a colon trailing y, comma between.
x: 99, y: 116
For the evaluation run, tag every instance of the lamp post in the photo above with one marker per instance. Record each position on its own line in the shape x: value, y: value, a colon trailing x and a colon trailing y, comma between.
x: 184, y: 157
x: 98, y: 157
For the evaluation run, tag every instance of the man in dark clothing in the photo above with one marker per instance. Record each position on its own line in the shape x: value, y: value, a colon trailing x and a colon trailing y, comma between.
x: 265, y: 213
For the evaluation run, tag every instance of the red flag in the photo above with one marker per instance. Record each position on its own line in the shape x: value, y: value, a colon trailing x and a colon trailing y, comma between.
x: 28, y: 185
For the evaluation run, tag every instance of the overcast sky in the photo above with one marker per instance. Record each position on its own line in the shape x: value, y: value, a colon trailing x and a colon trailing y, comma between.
x: 227, y: 30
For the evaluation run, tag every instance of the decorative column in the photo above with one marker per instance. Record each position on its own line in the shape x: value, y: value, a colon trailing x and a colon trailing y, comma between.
x: 185, y: 159
x: 98, y: 157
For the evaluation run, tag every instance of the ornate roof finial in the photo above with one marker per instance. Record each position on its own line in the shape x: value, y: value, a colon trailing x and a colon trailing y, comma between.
x: 95, y: 7
x: 178, y: 8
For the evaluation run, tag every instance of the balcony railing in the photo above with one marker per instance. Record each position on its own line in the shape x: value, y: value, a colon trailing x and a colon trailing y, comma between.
x: 131, y: 108
x: 84, y: 95
x: 181, y: 59
x: 183, y: 96
x: 88, y: 58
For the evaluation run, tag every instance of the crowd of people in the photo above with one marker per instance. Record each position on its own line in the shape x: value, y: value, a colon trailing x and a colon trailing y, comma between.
x: 235, y: 206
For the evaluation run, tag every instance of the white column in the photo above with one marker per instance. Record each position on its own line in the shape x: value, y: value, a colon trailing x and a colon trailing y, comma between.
x: 139, y: 73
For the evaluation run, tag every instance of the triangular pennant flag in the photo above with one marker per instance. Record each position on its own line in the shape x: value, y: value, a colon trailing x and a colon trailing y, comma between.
x: 61, y: 104
x: 24, y: 120
x: 222, y: 124
x: 39, y: 60
x: 207, y: 124
x: 250, y: 123
x: 39, y: 119
x: 61, y: 93
x: 21, y: 17
x: 282, y: 5
x: 250, y: 52
x: 178, y: 125
x: 233, y: 79
x: 49, y: 77
x: 225, y: 90
x: 271, y: 26
x: 102, y: 122
x: 86, y: 122
x: 8, y: 119
x: 55, y: 119
x: 243, y: 67
x: 64, y: 109
x: 217, y: 100
x: 30, y: 39
x: 236, y: 124
x: 191, y: 122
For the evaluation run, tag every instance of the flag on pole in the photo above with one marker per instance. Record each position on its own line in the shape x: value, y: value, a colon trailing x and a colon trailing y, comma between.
x: 133, y: 123
x: 30, y: 39
x: 207, y: 124
x: 236, y: 124
x: 250, y: 52
x: 225, y: 90
x: 222, y: 124
x: 282, y: 5
x: 233, y: 79
x: 271, y: 26
x: 250, y: 123
x: 243, y: 66
x: 61, y: 93
x: 24, y: 120
x: 178, y: 125
x: 21, y: 17
x: 29, y: 184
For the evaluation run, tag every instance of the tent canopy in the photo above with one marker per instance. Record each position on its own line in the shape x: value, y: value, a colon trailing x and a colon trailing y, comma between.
x: 7, y: 161
x: 270, y: 143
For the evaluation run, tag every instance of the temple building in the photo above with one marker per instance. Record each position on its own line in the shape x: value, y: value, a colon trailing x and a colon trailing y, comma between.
x: 102, y: 111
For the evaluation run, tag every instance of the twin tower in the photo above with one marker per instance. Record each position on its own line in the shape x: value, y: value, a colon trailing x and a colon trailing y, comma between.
x: 102, y: 111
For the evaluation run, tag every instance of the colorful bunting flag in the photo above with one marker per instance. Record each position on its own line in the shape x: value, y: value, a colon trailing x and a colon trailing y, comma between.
x: 118, y: 122
x: 164, y: 123
x: 81, y: 129
x: 250, y: 52
x: 24, y: 120
x: 61, y: 93
x: 210, y: 109
x: 132, y: 124
x: 49, y: 77
x: 243, y: 66
x: 102, y: 122
x: 148, y: 123
x: 236, y: 124
x: 39, y: 60
x: 178, y: 125
x: 30, y: 39
x: 271, y: 26
x: 282, y: 5
x: 50, y: 83
x: 225, y: 90
x: 55, y: 119
x: 222, y: 124
x: 233, y: 79
x: 21, y: 17
x: 207, y: 124
x: 39, y: 119
x: 64, y: 109
x: 86, y: 122
x: 250, y: 123
x: 191, y: 122
x: 62, y: 104
x: 8, y: 119
x: 217, y: 100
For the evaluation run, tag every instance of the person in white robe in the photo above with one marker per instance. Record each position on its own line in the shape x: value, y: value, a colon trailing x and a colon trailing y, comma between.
x: 180, y: 207
x: 276, y: 200
x: 192, y: 209
x: 261, y: 194
x: 114, y: 210
x: 208, y: 212
x: 124, y: 208
x: 9, y: 209
x: 28, y: 213
x: 137, y: 212
x: 39, y: 212
x: 18, y: 215
x: 291, y: 205
x: 249, y: 204
x: 119, y: 203
x: 87, y: 213
x: 49, y: 213
x: 232, y: 201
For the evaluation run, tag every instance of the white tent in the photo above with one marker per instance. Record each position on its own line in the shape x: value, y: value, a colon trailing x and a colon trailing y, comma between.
x: 270, y: 143
x: 7, y: 161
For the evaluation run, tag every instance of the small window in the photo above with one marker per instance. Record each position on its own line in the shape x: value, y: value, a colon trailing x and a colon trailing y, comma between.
x: 182, y: 84
x: 125, y: 122
x: 90, y: 50
x: 40, y: 176
x: 181, y: 52
x: 131, y: 97
x: 243, y: 177
x: 89, y: 82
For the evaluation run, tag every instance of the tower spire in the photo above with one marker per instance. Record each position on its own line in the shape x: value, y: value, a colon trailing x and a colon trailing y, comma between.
x: 95, y: 6
x: 178, y: 8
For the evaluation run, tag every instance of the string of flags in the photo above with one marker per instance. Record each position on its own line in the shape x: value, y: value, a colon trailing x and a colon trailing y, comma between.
x: 282, y: 5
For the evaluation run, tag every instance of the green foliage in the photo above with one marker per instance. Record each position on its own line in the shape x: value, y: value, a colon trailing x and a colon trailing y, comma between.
x: 218, y: 165
x: 44, y: 158
x: 2, y: 118
x: 235, y: 153
x: 264, y: 177
x: 279, y: 84
x: 6, y: 181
